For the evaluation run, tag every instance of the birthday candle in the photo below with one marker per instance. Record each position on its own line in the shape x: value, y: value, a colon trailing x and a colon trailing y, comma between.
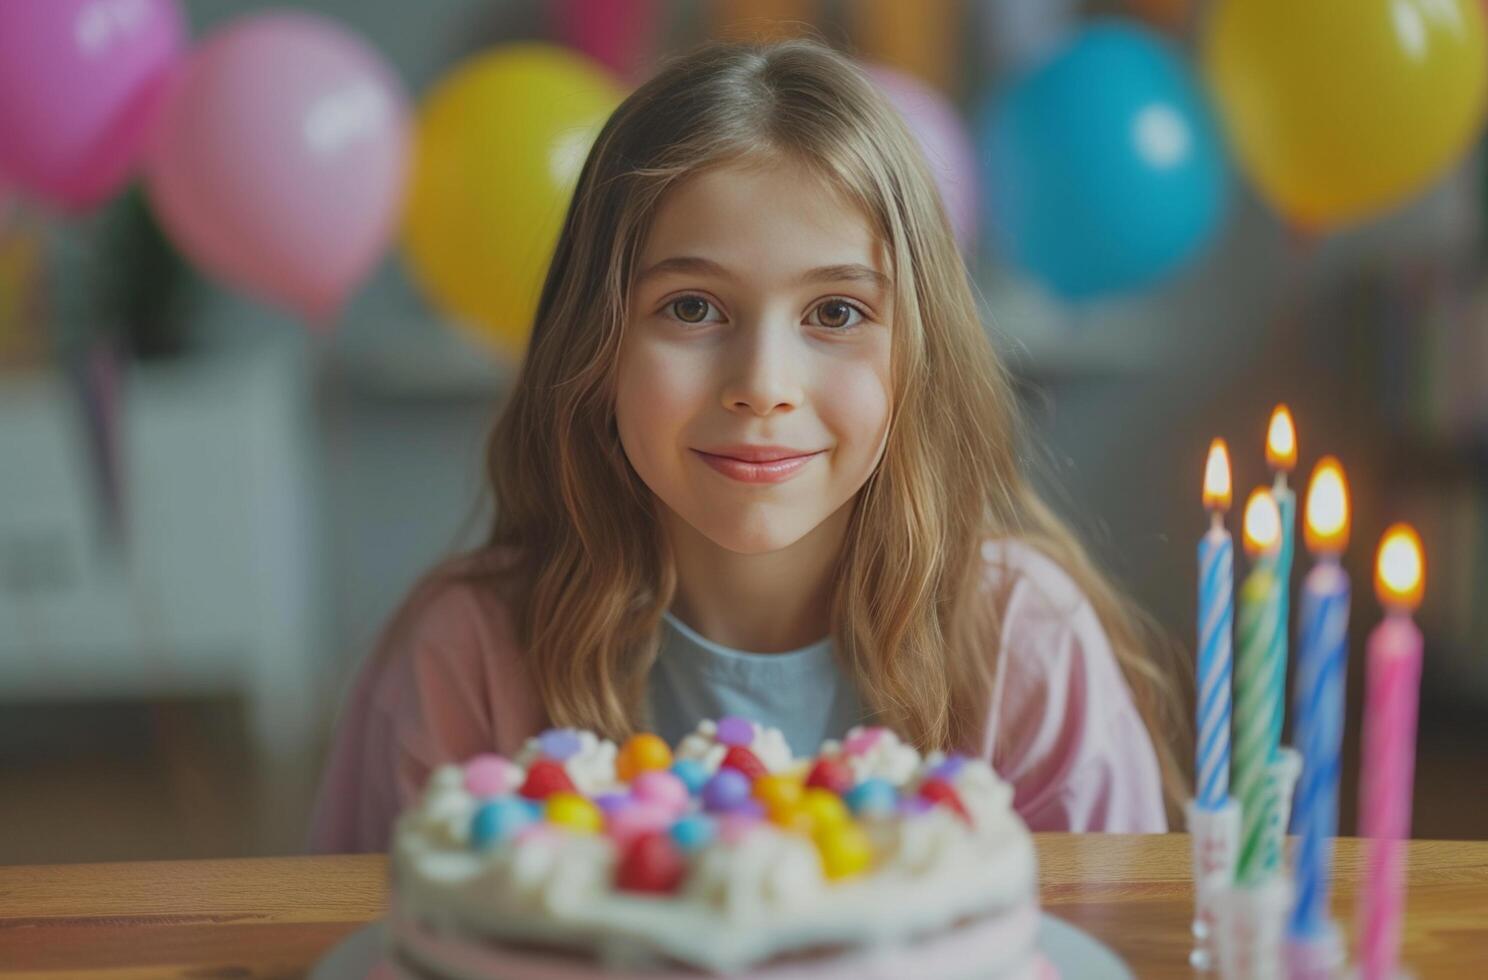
x: 1281, y: 456
x: 1216, y: 621
x: 1318, y: 698
x: 1256, y: 665
x: 1391, y: 698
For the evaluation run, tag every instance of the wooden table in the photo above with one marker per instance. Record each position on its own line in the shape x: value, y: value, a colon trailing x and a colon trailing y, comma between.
x: 274, y: 917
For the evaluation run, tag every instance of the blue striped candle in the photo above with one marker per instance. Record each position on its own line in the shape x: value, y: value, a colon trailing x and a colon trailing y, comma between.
x: 1216, y: 622
x: 1318, y: 699
x: 1318, y: 703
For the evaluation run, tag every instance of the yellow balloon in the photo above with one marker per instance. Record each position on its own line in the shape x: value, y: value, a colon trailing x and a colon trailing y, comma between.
x: 500, y: 143
x: 1341, y: 109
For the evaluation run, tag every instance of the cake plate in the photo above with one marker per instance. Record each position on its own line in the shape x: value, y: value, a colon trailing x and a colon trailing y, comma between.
x: 1074, y: 954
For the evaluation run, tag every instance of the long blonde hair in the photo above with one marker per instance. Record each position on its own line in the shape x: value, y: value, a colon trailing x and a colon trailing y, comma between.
x: 585, y: 566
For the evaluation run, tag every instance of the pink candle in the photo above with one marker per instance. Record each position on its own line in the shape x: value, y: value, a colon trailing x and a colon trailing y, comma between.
x: 1390, y: 701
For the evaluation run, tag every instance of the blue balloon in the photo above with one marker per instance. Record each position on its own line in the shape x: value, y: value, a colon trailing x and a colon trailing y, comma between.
x: 1103, y: 167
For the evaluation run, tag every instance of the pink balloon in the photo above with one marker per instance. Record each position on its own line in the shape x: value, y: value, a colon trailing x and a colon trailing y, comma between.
x: 80, y: 82
x: 942, y: 138
x: 280, y: 159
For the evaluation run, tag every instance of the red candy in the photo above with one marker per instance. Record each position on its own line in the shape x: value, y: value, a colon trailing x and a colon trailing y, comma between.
x: 943, y: 793
x: 831, y: 774
x: 740, y: 758
x: 545, y: 778
x: 651, y: 863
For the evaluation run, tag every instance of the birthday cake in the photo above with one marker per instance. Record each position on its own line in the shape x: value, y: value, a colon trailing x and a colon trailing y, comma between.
x: 581, y: 858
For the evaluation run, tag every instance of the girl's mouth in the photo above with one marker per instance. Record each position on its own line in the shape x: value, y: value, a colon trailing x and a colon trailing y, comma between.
x: 767, y: 471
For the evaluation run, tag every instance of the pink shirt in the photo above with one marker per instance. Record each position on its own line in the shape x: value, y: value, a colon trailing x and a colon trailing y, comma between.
x: 448, y: 682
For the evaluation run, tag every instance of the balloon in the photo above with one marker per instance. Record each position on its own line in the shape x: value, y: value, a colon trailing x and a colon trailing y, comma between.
x: 281, y: 158
x: 619, y: 34
x: 943, y: 140
x: 1104, y: 169
x: 1341, y: 109
x: 500, y: 145
x: 80, y: 82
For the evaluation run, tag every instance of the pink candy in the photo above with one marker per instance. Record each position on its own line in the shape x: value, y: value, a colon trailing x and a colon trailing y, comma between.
x: 734, y: 827
x: 662, y: 789
x: 640, y: 817
x: 863, y: 742
x: 491, y: 775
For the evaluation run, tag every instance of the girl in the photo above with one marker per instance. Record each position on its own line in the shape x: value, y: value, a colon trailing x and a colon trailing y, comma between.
x: 761, y: 459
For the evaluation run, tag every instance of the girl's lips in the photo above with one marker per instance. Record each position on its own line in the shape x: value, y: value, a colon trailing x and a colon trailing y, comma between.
x: 774, y: 471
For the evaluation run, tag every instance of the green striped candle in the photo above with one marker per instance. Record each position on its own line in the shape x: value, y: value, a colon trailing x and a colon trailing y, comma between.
x: 1259, y: 657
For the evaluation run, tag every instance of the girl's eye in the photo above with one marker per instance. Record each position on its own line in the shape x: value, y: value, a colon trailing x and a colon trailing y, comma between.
x: 837, y: 314
x: 690, y: 309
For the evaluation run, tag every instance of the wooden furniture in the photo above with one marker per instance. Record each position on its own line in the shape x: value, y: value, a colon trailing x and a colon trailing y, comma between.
x: 274, y: 917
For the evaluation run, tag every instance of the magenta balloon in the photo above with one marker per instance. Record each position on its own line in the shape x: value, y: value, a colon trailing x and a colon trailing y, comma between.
x: 280, y: 159
x: 80, y: 82
x: 942, y: 138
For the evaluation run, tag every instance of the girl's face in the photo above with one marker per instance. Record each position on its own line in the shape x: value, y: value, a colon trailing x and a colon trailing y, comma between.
x: 754, y: 388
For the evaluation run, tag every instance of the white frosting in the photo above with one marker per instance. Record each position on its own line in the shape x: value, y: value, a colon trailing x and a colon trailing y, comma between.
x: 769, y: 746
x: 931, y: 870
x: 889, y: 759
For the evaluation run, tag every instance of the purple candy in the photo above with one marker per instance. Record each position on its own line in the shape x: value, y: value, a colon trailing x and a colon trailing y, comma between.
x: 733, y: 730
x: 727, y: 790
x: 912, y: 806
x: 612, y: 802
x: 559, y: 744
x: 948, y: 769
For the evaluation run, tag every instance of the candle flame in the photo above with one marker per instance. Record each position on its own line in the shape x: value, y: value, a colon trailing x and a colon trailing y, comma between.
x: 1217, y: 477
x: 1327, y: 508
x: 1281, y: 440
x: 1400, y: 573
x: 1262, y: 523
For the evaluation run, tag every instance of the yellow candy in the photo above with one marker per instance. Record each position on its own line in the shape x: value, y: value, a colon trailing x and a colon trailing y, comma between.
x: 574, y: 812
x: 778, y: 792
x: 825, y: 807
x: 845, y: 850
x: 793, y: 817
x: 641, y: 753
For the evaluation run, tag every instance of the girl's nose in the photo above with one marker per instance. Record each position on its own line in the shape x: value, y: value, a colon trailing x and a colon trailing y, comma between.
x: 764, y: 375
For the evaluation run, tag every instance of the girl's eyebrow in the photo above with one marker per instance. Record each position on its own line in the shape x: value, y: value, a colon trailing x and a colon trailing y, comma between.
x: 846, y: 272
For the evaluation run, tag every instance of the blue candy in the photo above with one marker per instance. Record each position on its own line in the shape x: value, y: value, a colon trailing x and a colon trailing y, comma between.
x: 693, y: 832
x: 871, y: 796
x: 692, y: 774
x: 499, y: 818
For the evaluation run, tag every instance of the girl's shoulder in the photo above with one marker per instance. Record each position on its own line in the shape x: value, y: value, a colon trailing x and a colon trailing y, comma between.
x: 454, y: 637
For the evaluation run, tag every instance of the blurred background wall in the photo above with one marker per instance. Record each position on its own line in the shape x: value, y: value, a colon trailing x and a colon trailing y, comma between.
x: 207, y: 511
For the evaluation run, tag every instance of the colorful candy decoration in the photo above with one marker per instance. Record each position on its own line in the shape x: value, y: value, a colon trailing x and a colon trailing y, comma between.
x: 640, y: 753
x: 740, y: 758
x: 943, y: 793
x: 661, y: 788
x: 862, y: 741
x: 778, y: 792
x: 652, y: 863
x: 498, y: 820
x: 692, y: 773
x: 575, y: 812
x: 559, y: 744
x: 545, y: 778
x: 832, y: 774
x: 845, y: 850
x: 626, y: 823
x: 693, y: 832
x: 492, y: 775
x: 872, y: 797
x: 733, y: 730
x: 729, y: 789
